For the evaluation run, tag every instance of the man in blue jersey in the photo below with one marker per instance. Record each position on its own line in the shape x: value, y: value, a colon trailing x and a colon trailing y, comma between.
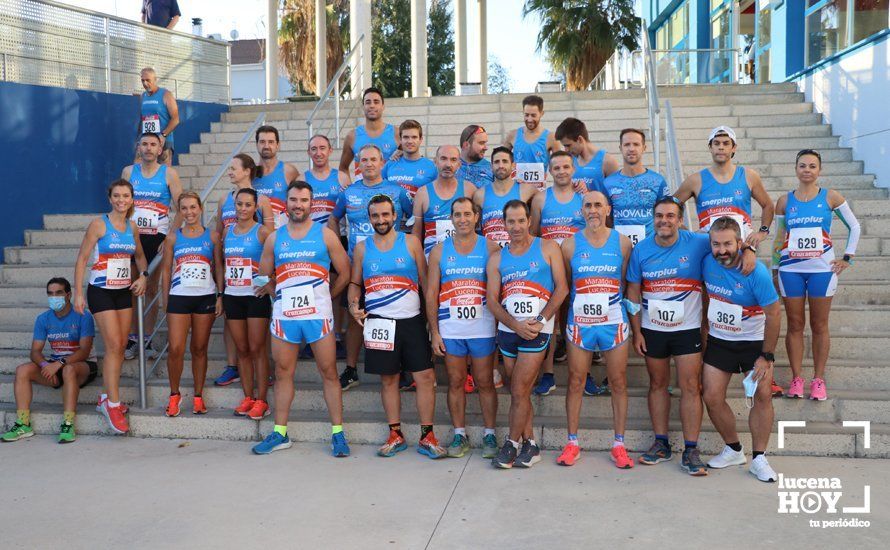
x: 374, y: 131
x: 158, y: 113
x: 70, y: 365
x: 592, y: 164
x: 492, y: 197
x: 532, y: 144
x: 474, y: 167
x: 744, y: 317
x: 633, y: 190
x: 411, y: 170
x: 276, y: 175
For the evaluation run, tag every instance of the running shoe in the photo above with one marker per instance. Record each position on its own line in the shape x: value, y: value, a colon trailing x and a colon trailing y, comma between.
x: 727, y: 457
x: 604, y: 385
x: 273, y: 442
x: 430, y: 447
x: 123, y: 406
x: 795, y: 390
x: 259, y: 411
x: 459, y: 446
x: 692, y: 464
x: 229, y: 376
x: 339, y: 446
x: 132, y: 349
x: 590, y: 387
x: 498, y: 380
x: 66, y: 433
x: 489, y: 446
x: 245, y: 406
x: 528, y: 456
x: 306, y: 352
x: 348, y: 378
x: 658, y: 452
x: 571, y: 454
x: 776, y: 389
x: 762, y: 470
x: 198, y: 406
x: 115, y: 417
x: 18, y: 431
x: 469, y: 384
x: 395, y: 444
x: 546, y: 385
x: 173, y: 408
x: 505, y: 457
x: 817, y: 390
x: 559, y: 355
x: 620, y: 458
x: 150, y: 351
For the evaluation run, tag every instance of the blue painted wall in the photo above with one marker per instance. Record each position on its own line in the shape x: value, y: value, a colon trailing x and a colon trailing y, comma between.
x: 59, y: 149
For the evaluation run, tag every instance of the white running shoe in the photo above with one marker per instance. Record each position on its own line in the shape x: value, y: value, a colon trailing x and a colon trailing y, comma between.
x: 762, y: 470
x: 727, y: 458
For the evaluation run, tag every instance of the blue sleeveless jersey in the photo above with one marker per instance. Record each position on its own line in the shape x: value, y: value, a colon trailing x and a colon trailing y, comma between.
x: 390, y: 277
x: 241, y: 254
x: 302, y: 277
x: 526, y: 284
x: 591, y: 174
x: 110, y: 260
x: 151, y: 199
x: 437, y: 225
x: 596, y: 289
x: 386, y: 141
x: 559, y: 221
x: 274, y: 186
x: 463, y: 311
x: 532, y: 159
x: 716, y: 200
x: 633, y: 199
x: 806, y: 245
x: 324, y: 195
x: 193, y: 265
x: 493, y: 227
x: 154, y: 115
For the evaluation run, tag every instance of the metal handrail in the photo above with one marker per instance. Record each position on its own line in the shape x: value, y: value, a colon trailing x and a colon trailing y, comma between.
x: 142, y: 309
x: 673, y: 164
x: 334, y: 86
x: 650, y: 85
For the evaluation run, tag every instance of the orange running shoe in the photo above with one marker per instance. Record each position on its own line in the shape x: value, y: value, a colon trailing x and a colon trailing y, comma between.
x: 245, y: 406
x: 620, y: 458
x: 173, y: 405
x: 116, y: 418
x: 571, y: 454
x: 259, y: 410
x: 198, y: 406
x: 469, y: 384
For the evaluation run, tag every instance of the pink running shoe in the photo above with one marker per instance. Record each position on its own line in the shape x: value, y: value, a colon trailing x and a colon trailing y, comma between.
x: 796, y: 388
x: 817, y: 390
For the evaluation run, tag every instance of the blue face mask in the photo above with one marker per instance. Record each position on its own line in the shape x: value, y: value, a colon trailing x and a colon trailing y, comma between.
x: 56, y: 303
x: 750, y: 388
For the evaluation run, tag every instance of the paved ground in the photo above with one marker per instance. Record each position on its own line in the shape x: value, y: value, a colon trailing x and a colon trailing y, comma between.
x: 141, y: 493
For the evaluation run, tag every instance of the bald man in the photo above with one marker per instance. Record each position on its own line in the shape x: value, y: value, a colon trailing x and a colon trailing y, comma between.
x: 432, y: 204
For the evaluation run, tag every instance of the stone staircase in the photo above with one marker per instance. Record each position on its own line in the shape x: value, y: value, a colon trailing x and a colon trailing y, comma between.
x: 772, y: 123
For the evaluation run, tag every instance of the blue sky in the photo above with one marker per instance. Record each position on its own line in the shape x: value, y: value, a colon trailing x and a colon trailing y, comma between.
x: 510, y: 38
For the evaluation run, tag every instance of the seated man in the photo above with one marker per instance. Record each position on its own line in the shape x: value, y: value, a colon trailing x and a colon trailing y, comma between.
x: 70, y: 366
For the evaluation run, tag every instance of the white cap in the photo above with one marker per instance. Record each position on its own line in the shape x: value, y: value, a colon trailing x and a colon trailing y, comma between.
x: 722, y: 131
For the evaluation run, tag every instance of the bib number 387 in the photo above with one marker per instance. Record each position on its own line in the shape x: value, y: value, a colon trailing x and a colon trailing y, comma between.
x: 380, y: 334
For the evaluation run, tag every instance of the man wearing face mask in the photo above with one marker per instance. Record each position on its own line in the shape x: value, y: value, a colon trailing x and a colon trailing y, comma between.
x: 70, y: 365
x: 744, y: 318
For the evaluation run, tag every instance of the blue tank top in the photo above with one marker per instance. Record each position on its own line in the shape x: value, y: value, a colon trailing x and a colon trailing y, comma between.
x: 193, y: 265
x: 302, y: 277
x: 386, y: 141
x: 229, y: 216
x: 532, y: 159
x: 274, y: 186
x: 591, y: 174
x: 154, y: 114
x: 596, y: 289
x: 559, y: 221
x: 806, y: 245
x: 437, y: 225
x: 241, y: 254
x: 493, y: 213
x: 151, y: 198
x: 111, y: 257
x: 526, y: 284
x: 463, y: 311
x: 632, y: 199
x: 390, y: 277
x: 716, y: 200
x: 324, y: 195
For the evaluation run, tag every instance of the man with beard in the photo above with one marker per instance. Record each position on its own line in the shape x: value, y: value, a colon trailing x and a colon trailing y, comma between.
x: 299, y: 256
x: 276, y: 175
x: 432, y: 204
x: 474, y: 167
x: 492, y: 197
x: 592, y: 164
x: 532, y: 144
x: 373, y: 132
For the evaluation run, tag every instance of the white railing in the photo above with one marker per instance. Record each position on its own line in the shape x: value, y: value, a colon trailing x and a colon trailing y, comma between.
x: 50, y: 44
x: 650, y: 85
x: 333, y: 95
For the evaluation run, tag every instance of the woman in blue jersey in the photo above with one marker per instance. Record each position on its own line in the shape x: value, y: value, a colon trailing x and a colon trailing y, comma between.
x: 191, y: 255
x: 247, y: 308
x: 110, y: 246
x: 808, y: 267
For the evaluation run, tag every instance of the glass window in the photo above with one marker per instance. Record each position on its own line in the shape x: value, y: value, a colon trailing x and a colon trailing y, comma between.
x: 826, y: 30
x: 679, y: 25
x: 869, y: 17
x: 761, y: 65
x: 661, y: 38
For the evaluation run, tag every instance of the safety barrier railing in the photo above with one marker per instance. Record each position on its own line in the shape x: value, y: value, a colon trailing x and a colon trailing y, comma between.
x: 50, y: 44
x: 673, y: 164
x: 616, y: 74
x: 333, y: 94
x: 142, y: 310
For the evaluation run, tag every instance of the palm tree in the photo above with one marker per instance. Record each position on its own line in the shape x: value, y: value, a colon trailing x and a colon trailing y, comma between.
x: 579, y: 36
x: 296, y: 40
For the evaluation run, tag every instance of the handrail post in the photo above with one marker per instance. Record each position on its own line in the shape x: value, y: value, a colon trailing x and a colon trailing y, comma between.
x: 107, y: 56
x: 140, y: 324
x: 337, y: 111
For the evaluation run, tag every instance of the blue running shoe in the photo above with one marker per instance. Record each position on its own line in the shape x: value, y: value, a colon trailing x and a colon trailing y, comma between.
x: 273, y: 442
x: 339, y: 446
x: 546, y: 385
x: 228, y: 376
x: 590, y: 387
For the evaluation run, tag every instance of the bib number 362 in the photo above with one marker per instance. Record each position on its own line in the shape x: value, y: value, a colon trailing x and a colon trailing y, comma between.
x: 380, y: 334
x: 725, y: 316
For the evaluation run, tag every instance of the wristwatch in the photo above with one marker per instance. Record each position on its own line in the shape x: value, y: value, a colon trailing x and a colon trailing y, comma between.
x: 540, y: 318
x: 768, y: 356
x: 219, y: 294
x: 145, y: 273
x: 848, y: 258
x: 750, y: 247
x: 63, y: 361
x: 764, y: 229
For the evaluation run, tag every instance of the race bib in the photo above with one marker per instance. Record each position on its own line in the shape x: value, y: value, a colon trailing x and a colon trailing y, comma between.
x: 239, y: 272
x: 465, y: 308
x: 117, y: 272
x: 666, y: 313
x: 725, y: 316
x: 522, y: 305
x: 280, y: 219
x: 444, y: 230
x: 591, y: 308
x: 146, y: 220
x: 530, y: 172
x: 743, y: 225
x: 298, y: 301
x: 151, y: 124
x: 635, y: 233
x: 194, y: 274
x: 380, y: 334
x: 805, y: 242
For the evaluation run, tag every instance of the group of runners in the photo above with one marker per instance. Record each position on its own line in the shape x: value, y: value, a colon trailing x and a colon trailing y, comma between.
x: 469, y: 257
